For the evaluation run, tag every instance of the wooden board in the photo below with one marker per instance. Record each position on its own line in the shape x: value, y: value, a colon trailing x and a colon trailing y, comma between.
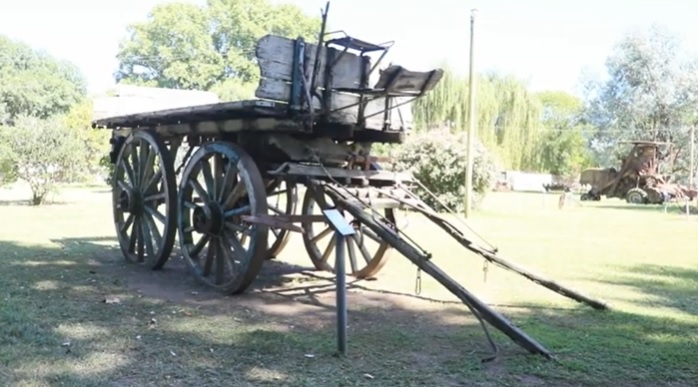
x: 397, y: 80
x: 345, y: 106
x: 196, y: 114
x: 212, y: 128
x: 275, y: 58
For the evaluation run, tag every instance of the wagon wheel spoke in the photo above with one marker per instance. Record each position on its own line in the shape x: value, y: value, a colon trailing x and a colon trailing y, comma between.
x: 211, y: 254
x: 146, y: 163
x: 199, y: 246
x: 328, y: 250
x: 235, y: 195
x: 128, y: 170
x: 155, y: 232
x: 352, y: 256
x: 282, y: 198
x: 146, y: 233
x: 362, y: 248
x: 327, y: 231
x: 143, y: 180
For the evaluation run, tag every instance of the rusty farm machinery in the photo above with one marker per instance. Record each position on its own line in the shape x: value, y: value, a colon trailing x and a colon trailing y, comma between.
x: 639, y: 179
x: 311, y: 128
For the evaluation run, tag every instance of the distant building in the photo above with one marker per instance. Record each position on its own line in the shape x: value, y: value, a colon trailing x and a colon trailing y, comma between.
x: 128, y: 99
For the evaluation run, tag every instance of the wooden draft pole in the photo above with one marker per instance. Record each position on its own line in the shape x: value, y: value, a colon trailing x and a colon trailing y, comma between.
x: 472, y: 117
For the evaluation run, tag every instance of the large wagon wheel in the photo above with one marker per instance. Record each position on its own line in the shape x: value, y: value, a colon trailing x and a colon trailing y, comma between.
x: 143, y: 181
x: 282, y: 199
x: 219, y: 248
x: 366, y: 252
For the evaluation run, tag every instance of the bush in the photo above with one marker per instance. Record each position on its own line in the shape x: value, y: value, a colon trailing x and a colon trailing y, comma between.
x: 437, y: 158
x: 43, y: 152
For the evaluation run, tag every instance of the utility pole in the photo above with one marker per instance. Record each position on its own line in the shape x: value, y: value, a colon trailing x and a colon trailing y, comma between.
x: 692, y: 173
x: 472, y: 121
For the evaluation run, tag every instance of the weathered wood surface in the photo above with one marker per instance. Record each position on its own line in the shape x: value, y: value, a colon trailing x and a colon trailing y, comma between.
x: 275, y: 58
x: 196, y: 114
x: 396, y: 80
x: 318, y: 172
x: 344, y: 107
x: 269, y: 124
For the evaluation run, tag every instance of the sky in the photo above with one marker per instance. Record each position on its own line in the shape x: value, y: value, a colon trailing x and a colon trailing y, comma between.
x: 546, y: 43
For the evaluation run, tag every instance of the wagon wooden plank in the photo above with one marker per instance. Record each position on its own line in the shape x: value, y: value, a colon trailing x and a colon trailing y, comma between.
x: 214, y: 112
x: 399, y: 80
x: 218, y: 127
x: 345, y: 106
x: 339, y: 173
x: 275, y: 58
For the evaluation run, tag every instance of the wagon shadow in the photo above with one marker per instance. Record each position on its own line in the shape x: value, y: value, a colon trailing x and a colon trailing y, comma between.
x: 174, y: 281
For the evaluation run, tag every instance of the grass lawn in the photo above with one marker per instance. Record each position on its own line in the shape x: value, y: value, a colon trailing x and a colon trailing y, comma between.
x: 61, y: 263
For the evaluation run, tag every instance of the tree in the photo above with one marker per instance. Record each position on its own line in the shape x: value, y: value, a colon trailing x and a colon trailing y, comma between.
x: 651, y: 94
x: 508, y: 116
x: 34, y: 83
x: 95, y: 142
x: 43, y: 152
x: 184, y: 46
x: 564, y: 148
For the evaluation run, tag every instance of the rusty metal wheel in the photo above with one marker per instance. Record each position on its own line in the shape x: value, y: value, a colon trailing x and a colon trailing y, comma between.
x: 144, y: 195
x: 282, y: 199
x: 366, y: 252
x: 219, y: 185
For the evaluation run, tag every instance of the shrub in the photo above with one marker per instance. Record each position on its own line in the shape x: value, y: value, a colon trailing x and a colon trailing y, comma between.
x: 437, y: 158
x: 43, y: 152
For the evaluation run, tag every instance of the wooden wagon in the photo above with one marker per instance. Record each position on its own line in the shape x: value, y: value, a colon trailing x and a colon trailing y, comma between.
x: 312, y: 126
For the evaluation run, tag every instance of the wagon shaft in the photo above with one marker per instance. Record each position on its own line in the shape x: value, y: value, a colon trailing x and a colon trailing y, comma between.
x: 354, y: 200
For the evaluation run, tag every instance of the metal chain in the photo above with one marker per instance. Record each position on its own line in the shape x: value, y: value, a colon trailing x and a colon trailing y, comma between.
x: 485, y: 268
x: 418, y: 282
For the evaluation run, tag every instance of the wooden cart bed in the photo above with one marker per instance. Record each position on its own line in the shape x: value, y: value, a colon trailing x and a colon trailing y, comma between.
x: 349, y: 103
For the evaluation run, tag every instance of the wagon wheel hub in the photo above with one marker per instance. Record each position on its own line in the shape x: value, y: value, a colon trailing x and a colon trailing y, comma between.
x: 131, y: 201
x: 209, y: 219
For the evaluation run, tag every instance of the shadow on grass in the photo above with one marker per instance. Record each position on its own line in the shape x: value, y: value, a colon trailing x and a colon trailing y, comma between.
x: 162, y: 328
x: 662, y: 286
x: 673, y: 208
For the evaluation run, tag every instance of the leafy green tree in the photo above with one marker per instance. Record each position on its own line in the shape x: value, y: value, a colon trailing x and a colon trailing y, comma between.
x: 43, y: 152
x: 95, y: 142
x: 564, y: 149
x: 651, y: 94
x: 34, y: 83
x: 184, y: 46
x: 508, y: 116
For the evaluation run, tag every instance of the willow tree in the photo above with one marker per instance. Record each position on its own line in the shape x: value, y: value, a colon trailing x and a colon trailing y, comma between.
x: 508, y: 116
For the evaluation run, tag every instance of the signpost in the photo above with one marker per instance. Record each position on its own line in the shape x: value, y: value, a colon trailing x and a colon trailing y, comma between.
x: 342, y: 230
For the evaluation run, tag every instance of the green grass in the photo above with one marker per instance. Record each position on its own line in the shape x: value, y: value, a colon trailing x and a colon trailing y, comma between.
x: 60, y: 263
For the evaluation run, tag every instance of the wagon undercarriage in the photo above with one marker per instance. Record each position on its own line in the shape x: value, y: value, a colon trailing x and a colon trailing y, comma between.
x: 233, y: 199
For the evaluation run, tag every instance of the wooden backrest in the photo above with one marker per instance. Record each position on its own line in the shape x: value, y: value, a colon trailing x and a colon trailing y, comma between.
x: 275, y: 59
